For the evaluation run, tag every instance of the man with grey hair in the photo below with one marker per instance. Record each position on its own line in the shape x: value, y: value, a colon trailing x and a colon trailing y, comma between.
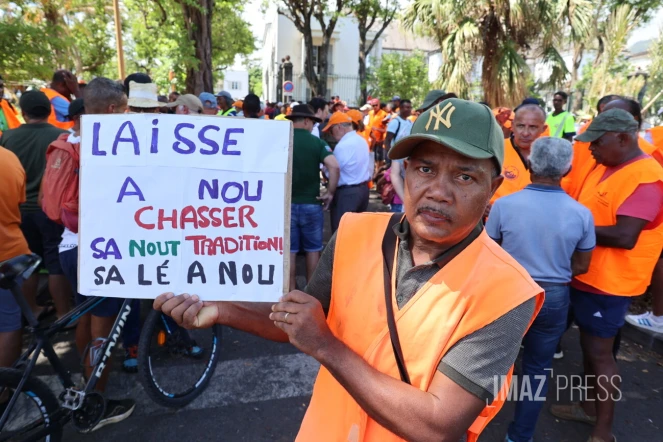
x: 552, y: 236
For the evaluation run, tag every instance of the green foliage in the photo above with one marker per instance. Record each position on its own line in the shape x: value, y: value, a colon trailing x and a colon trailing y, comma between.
x: 255, y: 77
x: 655, y: 80
x: 610, y: 74
x: 159, y: 43
x: 500, y: 33
x: 402, y: 75
x: 41, y: 36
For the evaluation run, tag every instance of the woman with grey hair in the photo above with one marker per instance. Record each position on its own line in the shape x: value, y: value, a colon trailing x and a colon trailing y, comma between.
x: 552, y: 236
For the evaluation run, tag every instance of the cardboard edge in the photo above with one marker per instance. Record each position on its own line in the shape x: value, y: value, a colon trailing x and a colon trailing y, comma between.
x: 286, y: 217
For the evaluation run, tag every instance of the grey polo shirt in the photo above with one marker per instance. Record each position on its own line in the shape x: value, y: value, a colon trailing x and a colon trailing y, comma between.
x: 478, y: 361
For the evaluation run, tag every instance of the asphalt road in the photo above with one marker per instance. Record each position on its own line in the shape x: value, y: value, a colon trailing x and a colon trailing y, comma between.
x: 260, y: 391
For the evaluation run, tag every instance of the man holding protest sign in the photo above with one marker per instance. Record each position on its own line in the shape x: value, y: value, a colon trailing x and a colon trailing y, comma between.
x: 447, y: 317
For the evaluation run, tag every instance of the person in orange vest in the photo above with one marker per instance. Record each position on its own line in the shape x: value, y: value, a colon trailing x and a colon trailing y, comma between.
x: 64, y: 87
x: 656, y: 134
x: 529, y: 123
x: 8, y: 115
x: 583, y: 163
x: 625, y: 195
x: 377, y: 131
x: 412, y: 296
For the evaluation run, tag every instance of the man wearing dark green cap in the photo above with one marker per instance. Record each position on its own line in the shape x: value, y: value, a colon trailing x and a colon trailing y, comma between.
x: 625, y: 195
x: 446, y: 289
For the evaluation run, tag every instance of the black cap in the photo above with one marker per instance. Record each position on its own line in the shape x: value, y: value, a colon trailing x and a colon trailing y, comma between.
x: 31, y: 101
x: 76, y: 107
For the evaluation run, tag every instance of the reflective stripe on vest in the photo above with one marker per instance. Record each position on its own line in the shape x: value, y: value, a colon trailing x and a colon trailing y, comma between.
x: 516, y: 176
x: 226, y: 113
x: 616, y: 271
x: 52, y: 118
x: 451, y: 305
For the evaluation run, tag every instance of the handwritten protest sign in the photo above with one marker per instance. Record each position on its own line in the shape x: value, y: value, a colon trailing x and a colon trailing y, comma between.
x: 184, y: 204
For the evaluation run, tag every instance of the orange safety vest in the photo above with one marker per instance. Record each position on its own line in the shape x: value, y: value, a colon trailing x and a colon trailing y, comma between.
x: 616, y: 271
x: 583, y: 163
x: 10, y: 114
x: 657, y: 136
x: 479, y: 285
x: 52, y: 119
x: 516, y: 177
x: 377, y: 129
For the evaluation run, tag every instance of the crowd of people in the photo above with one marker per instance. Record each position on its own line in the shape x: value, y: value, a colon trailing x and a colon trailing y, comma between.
x: 572, y: 211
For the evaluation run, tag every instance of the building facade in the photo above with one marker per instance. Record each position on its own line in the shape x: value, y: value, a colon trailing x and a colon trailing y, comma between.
x: 281, y: 39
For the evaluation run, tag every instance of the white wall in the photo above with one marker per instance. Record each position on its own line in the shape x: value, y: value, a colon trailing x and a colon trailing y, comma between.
x: 237, y: 83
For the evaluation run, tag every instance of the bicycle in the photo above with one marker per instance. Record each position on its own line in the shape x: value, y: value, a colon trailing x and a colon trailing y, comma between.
x: 38, y: 414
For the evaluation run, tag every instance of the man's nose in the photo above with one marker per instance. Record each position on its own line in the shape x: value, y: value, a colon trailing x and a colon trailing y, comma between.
x: 440, y: 190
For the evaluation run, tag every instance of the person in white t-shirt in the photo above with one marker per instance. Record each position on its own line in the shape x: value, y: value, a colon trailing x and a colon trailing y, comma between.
x: 352, y: 155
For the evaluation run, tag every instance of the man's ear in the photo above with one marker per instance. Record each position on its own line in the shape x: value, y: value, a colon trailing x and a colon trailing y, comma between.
x: 495, y: 184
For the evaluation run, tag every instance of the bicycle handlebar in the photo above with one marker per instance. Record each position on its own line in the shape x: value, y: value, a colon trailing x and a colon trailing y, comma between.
x: 22, y: 265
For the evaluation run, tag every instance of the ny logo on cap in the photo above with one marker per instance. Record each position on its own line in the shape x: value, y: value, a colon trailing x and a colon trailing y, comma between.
x: 440, y: 116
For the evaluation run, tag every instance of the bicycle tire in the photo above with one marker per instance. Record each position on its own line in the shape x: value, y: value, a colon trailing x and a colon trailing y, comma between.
x: 43, y: 397
x: 151, y: 385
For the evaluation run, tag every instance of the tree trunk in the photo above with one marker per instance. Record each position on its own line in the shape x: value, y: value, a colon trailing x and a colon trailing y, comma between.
x: 363, y: 86
x: 198, y: 21
x: 309, y: 68
x: 323, y: 67
x: 578, y: 52
x: 492, y: 90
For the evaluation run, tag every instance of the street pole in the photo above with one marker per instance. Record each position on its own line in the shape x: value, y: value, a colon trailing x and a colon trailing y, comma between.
x: 118, y: 39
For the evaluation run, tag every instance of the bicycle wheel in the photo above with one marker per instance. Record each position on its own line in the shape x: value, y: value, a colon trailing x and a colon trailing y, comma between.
x: 35, y: 412
x: 175, y: 364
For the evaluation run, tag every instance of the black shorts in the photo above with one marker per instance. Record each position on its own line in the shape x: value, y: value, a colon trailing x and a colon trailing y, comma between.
x: 379, y: 152
x: 43, y: 237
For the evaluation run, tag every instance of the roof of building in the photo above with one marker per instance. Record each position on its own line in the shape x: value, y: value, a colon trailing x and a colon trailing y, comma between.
x: 640, y: 47
x: 396, y: 38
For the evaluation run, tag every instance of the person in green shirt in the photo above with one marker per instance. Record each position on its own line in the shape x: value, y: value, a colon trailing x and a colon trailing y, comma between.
x: 306, y: 212
x: 560, y: 121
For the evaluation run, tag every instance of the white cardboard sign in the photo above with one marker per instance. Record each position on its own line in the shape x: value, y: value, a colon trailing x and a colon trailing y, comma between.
x: 184, y: 204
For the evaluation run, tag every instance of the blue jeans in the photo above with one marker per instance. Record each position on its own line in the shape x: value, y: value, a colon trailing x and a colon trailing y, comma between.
x: 396, y: 208
x: 540, y: 343
x: 306, y: 223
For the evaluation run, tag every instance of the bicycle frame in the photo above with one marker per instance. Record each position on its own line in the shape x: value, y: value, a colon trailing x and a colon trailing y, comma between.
x: 41, y: 343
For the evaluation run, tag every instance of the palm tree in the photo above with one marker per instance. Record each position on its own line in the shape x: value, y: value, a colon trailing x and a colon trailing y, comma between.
x: 501, y: 34
x: 607, y: 77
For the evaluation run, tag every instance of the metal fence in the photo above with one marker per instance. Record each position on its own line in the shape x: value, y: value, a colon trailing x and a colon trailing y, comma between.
x: 345, y: 86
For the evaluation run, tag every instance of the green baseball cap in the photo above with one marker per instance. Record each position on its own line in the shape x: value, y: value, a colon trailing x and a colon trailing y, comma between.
x: 468, y: 128
x: 612, y: 120
x: 431, y: 98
